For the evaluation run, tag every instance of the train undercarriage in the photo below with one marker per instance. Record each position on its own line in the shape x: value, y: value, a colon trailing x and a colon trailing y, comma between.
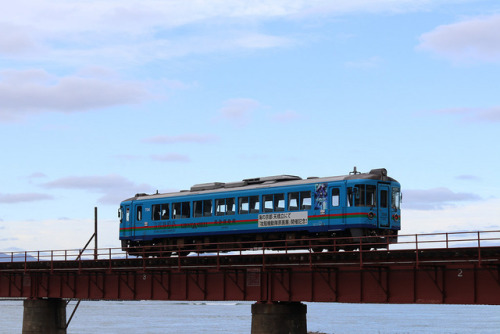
x: 348, y: 240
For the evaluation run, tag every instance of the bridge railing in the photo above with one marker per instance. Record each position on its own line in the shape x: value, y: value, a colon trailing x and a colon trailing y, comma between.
x: 310, y: 247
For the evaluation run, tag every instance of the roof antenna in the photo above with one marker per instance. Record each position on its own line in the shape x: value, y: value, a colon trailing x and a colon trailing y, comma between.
x: 355, y: 171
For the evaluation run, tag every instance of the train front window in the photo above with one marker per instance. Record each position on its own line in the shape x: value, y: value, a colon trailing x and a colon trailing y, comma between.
x: 371, y: 197
x: 396, y: 198
x: 362, y: 195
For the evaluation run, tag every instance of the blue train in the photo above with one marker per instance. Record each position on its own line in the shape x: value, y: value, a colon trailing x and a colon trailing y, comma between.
x: 283, y: 207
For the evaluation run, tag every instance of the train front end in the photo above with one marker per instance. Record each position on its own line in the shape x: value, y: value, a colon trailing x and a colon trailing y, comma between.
x: 373, y: 205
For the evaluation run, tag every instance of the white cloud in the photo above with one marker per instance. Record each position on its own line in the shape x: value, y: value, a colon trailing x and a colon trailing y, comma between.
x: 474, y: 216
x: 57, y: 234
x: 185, y: 138
x: 434, y: 199
x: 113, y: 187
x: 238, y: 111
x: 32, y: 91
x: 24, y: 197
x: 371, y: 62
x: 129, y: 31
x: 475, y: 39
x: 170, y: 157
x: 491, y: 114
x: 286, y: 117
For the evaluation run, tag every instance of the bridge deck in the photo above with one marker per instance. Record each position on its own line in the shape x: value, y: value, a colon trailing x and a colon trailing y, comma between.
x: 465, y: 275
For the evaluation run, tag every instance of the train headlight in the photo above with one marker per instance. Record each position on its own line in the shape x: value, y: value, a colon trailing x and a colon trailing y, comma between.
x: 371, y: 215
x: 395, y: 217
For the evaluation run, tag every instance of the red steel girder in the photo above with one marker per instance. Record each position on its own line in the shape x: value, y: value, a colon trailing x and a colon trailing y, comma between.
x: 455, y: 283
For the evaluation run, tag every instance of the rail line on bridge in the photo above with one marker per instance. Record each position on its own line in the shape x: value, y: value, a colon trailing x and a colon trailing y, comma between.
x: 450, y: 268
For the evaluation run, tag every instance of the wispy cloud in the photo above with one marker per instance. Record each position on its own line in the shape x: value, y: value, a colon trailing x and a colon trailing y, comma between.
x: 474, y: 39
x: 170, y: 157
x: 33, y: 91
x: 468, y: 177
x: 113, y: 187
x: 238, y: 111
x: 24, y: 197
x: 131, y: 32
x: 369, y: 63
x: 491, y: 114
x: 185, y: 138
x: 286, y: 117
x: 435, y: 199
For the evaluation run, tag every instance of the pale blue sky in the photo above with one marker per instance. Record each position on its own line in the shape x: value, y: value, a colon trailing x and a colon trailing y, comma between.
x: 100, y: 100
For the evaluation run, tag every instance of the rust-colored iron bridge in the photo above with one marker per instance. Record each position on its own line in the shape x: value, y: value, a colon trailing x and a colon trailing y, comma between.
x: 451, y: 268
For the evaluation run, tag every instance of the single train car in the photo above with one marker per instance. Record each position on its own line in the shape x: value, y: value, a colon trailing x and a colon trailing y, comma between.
x: 283, y: 207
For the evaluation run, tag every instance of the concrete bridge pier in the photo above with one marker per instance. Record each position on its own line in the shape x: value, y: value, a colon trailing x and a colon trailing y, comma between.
x: 279, y: 318
x: 47, y: 316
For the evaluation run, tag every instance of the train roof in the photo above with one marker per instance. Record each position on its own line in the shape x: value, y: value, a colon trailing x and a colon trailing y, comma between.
x: 266, y: 182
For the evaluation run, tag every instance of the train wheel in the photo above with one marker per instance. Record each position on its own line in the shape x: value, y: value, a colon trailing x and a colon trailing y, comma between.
x: 317, y: 249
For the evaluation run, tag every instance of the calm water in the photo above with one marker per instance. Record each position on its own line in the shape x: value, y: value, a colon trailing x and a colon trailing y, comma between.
x: 235, y: 317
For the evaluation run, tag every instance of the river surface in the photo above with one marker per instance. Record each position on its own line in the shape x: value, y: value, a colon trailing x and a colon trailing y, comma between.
x: 235, y: 317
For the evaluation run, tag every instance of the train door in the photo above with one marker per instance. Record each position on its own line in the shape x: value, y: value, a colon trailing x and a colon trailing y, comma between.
x: 137, y: 221
x: 336, y: 209
x: 383, y: 205
x: 126, y: 221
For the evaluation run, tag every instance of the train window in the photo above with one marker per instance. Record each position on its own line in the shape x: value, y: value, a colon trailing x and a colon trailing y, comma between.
x: 139, y: 213
x: 220, y: 207
x: 268, y: 203
x: 279, y: 202
x: 176, y: 210
x: 165, y: 211
x: 243, y: 205
x: 198, y: 209
x: 299, y: 201
x: 335, y: 197
x: 305, y: 200
x: 156, y: 212
x: 186, y: 209
x: 350, y: 197
x: 396, y: 198
x: 207, y: 208
x: 248, y: 205
x: 383, y: 198
x: 371, y: 198
x: 293, y: 201
x: 360, y: 192
x: 127, y: 215
x: 203, y: 208
x: 181, y: 210
x: 230, y: 206
x: 254, y: 204
x: 225, y: 206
